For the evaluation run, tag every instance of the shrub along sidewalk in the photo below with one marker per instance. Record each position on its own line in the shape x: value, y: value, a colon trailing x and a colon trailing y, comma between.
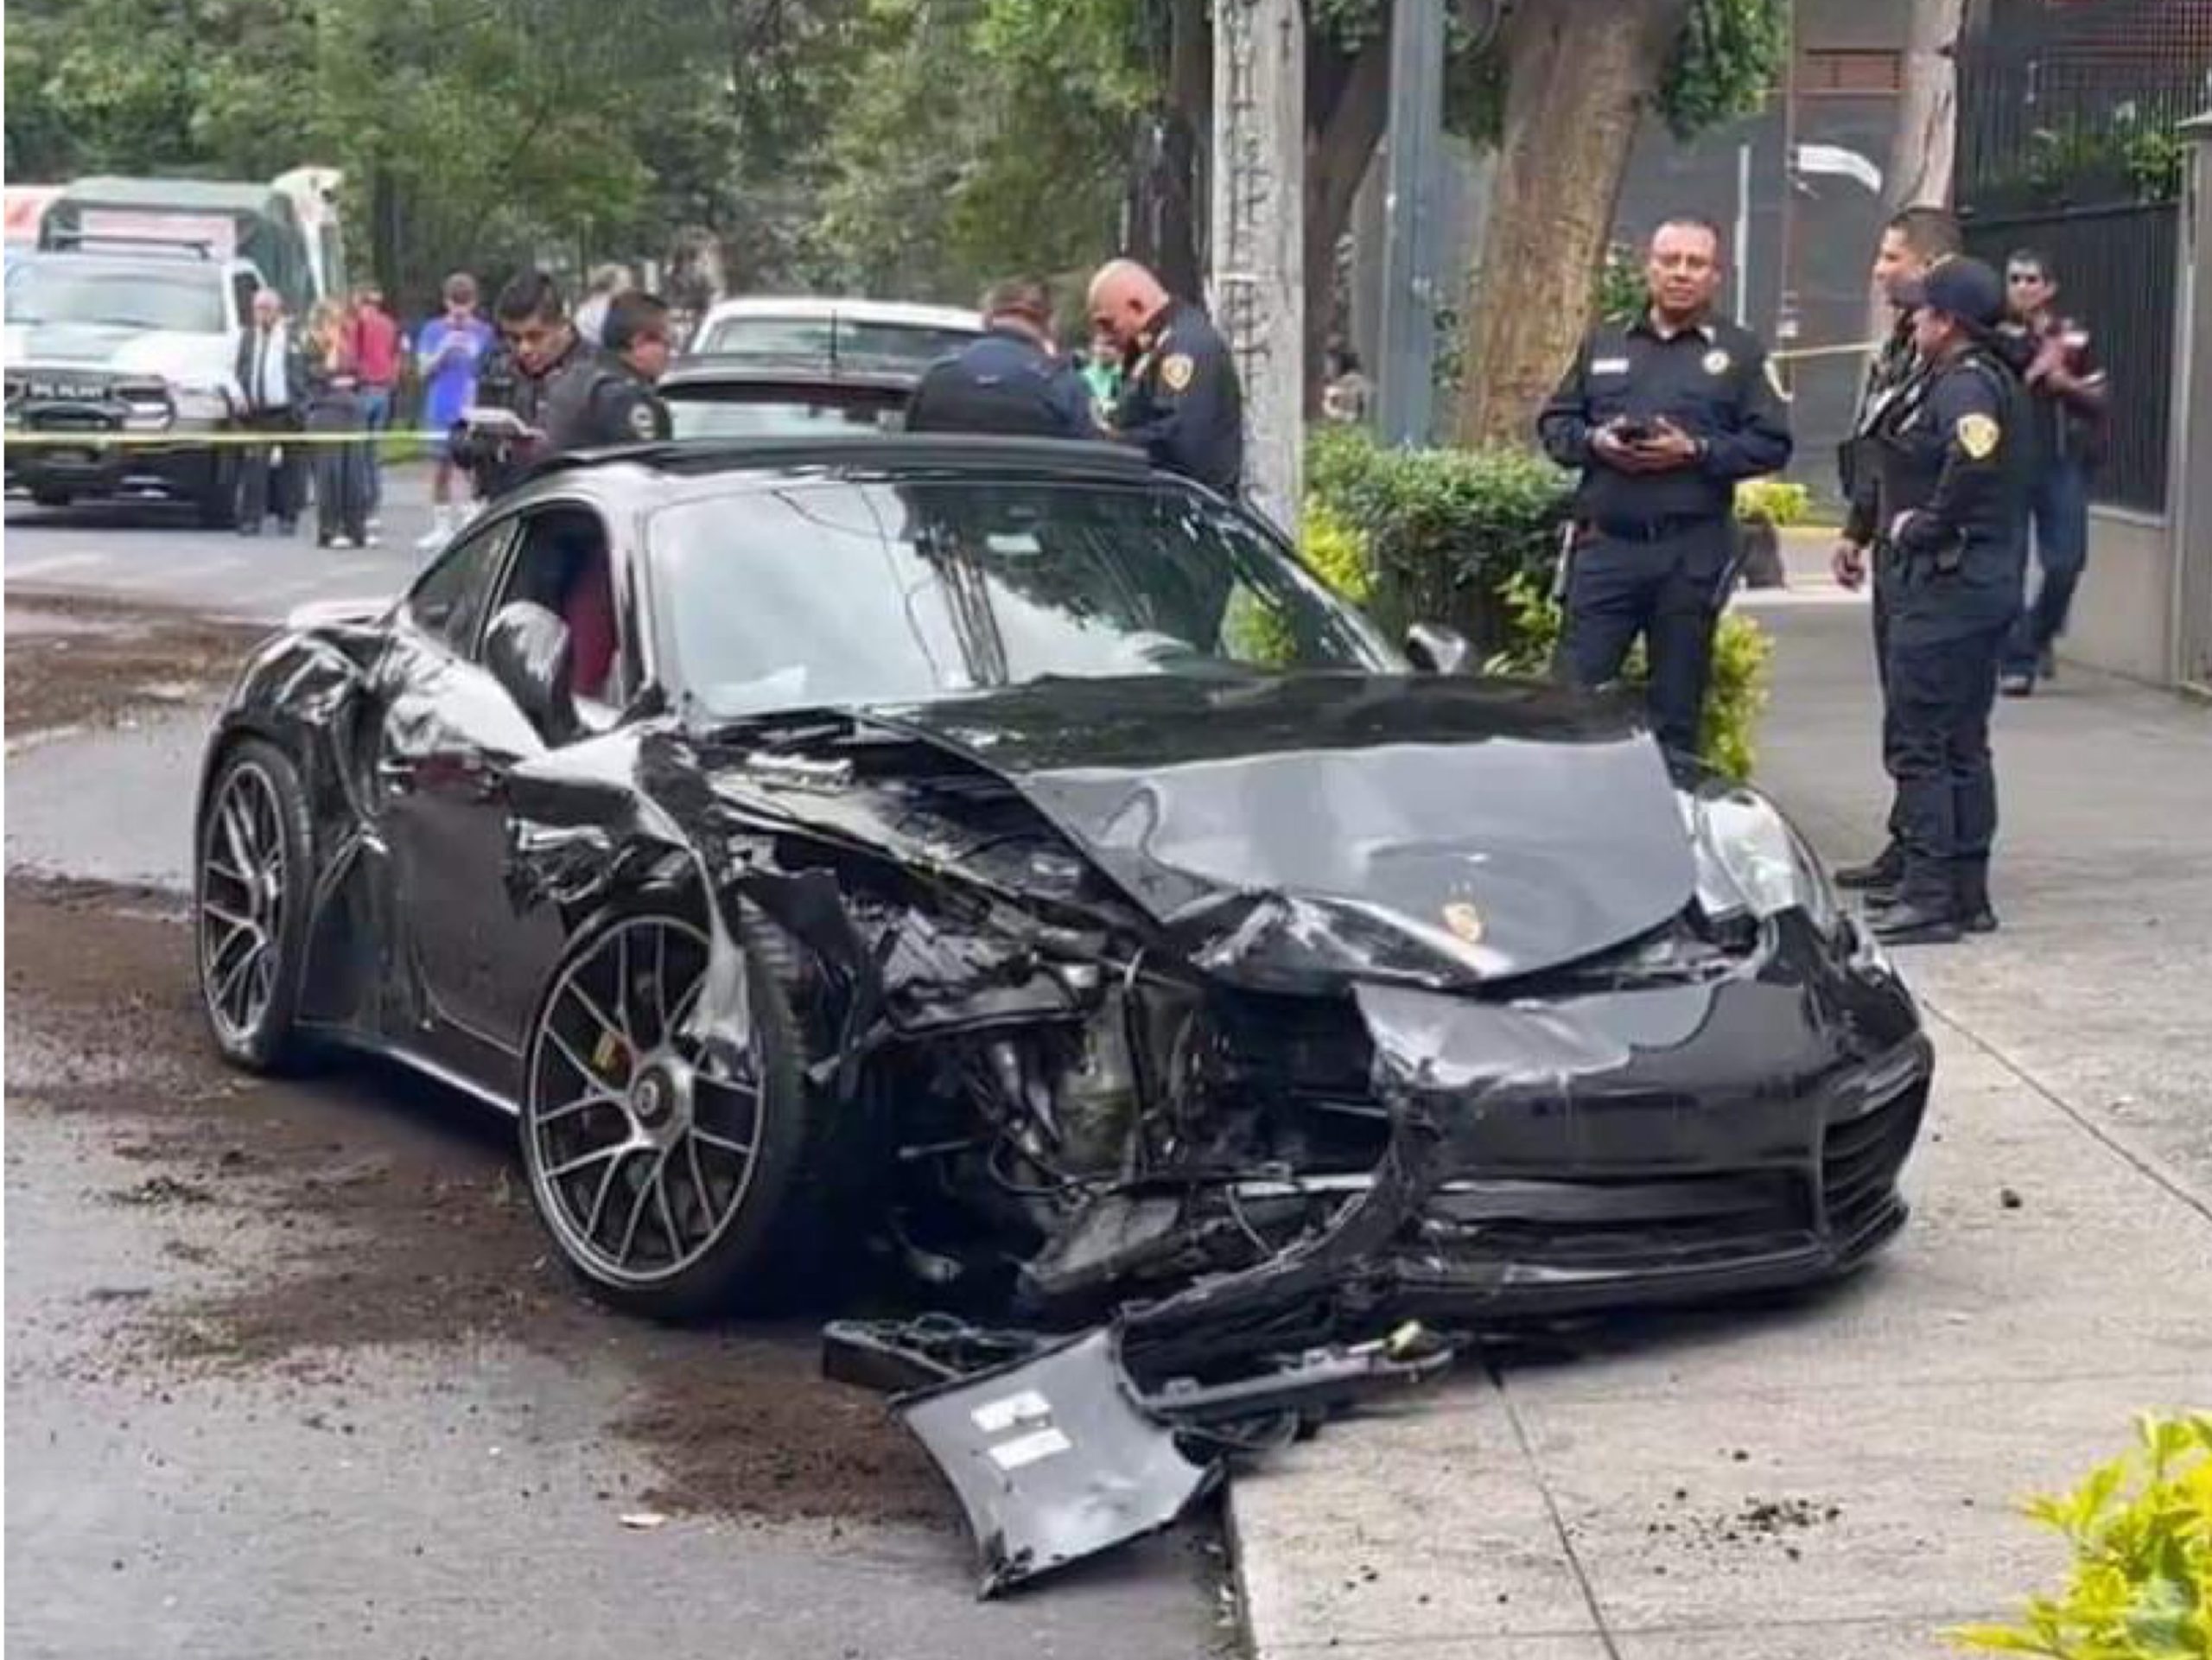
x: 1472, y: 539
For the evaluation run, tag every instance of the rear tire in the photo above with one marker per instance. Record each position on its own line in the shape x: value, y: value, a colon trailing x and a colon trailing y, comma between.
x: 676, y: 1183
x: 47, y: 496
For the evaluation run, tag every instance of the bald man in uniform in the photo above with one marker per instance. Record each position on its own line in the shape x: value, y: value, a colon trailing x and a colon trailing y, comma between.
x: 1180, y: 397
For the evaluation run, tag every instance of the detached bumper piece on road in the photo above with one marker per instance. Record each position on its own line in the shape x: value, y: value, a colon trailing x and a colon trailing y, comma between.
x: 1059, y: 1455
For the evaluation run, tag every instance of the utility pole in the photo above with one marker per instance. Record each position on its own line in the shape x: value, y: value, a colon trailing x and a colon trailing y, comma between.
x: 1406, y: 354
x: 1258, y: 240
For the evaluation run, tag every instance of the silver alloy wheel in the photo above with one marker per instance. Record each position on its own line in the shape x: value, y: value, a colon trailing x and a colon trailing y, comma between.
x: 640, y: 1144
x: 242, y: 902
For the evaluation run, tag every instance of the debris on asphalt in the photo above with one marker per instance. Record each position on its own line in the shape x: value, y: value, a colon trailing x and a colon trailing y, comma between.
x: 2009, y: 1199
x: 644, y: 1520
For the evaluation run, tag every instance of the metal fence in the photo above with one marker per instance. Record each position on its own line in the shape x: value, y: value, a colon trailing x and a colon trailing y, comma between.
x: 2074, y: 102
x: 2116, y: 269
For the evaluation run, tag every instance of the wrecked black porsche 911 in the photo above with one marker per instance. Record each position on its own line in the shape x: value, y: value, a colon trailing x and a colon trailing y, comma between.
x: 1005, y: 857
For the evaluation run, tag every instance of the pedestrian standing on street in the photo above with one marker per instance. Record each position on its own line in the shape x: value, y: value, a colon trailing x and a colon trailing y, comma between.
x: 1662, y: 416
x: 447, y: 353
x: 2067, y: 396
x: 1009, y: 381
x: 1181, y: 400
x: 270, y: 374
x: 373, y: 337
x: 1948, y: 499
x: 1912, y: 241
x: 335, y: 407
x: 607, y: 397
x: 500, y: 434
x: 600, y: 291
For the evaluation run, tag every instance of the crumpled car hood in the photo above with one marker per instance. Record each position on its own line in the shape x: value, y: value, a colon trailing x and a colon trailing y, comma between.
x: 1421, y: 828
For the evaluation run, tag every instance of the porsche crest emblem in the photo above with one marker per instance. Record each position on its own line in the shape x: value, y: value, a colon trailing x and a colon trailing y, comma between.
x: 1177, y: 370
x: 1978, y: 436
x: 1464, y: 921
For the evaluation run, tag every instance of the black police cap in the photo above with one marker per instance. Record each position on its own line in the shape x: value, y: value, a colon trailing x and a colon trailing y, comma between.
x: 1957, y: 287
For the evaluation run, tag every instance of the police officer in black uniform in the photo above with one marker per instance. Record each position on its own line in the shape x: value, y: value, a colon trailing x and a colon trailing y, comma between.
x: 1180, y: 398
x: 537, y: 348
x: 1913, y: 240
x: 1008, y: 381
x: 1948, y: 500
x: 1663, y: 415
x: 606, y: 397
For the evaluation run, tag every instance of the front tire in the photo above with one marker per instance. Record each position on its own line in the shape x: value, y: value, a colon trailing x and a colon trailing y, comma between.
x: 676, y: 1182
x: 45, y: 496
x: 250, y: 887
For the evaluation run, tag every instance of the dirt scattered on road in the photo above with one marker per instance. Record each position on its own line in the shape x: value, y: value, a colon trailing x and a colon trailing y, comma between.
x: 400, y: 1219
x: 74, y: 661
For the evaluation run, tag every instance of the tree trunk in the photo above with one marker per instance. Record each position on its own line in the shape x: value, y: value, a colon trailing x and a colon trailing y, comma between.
x: 1344, y: 116
x: 1190, y: 102
x: 1579, y: 74
x: 1926, y: 144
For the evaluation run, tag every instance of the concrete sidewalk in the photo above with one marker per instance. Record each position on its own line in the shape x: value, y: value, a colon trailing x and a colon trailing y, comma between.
x: 1834, y: 1477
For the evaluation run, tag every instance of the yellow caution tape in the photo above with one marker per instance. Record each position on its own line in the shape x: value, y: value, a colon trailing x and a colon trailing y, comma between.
x: 1792, y: 354
x: 231, y: 438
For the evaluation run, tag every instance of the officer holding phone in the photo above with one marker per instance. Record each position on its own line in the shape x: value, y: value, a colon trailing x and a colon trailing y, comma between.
x: 1662, y: 416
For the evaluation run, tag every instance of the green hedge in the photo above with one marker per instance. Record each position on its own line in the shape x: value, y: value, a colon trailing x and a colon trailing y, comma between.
x: 1471, y: 538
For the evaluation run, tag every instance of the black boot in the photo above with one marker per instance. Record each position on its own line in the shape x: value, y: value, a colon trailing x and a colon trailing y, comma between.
x: 1914, y: 922
x: 1885, y: 869
x: 1971, y: 884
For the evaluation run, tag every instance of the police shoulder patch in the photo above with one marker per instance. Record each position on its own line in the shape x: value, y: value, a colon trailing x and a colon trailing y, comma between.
x: 642, y: 421
x: 1977, y: 434
x: 1176, y: 370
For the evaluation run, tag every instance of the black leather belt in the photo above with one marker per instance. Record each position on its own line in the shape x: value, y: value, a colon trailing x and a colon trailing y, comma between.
x: 1654, y: 529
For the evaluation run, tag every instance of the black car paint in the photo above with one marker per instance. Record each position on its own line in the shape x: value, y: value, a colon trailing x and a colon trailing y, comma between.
x: 1615, y: 1115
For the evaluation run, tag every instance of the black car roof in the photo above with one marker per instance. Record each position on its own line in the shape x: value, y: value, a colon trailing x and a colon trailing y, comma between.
x: 872, y: 454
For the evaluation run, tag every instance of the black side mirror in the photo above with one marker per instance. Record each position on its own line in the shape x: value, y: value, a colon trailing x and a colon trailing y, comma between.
x: 1438, y: 650
x: 526, y: 649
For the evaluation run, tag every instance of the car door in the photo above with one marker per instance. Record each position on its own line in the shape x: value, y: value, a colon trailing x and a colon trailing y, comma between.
x: 450, y: 735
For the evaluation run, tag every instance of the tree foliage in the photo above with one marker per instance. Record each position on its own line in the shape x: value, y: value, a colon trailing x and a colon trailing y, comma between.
x: 909, y: 146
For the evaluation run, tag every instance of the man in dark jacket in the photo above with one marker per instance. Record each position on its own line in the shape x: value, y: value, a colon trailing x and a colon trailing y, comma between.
x: 1664, y: 416
x: 1181, y: 398
x: 271, y: 370
x: 1008, y: 381
x: 605, y: 397
x: 1912, y: 241
x: 505, y: 430
x: 1948, y: 492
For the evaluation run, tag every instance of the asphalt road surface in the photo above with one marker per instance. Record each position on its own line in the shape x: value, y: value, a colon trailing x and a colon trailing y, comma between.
x: 289, y: 1369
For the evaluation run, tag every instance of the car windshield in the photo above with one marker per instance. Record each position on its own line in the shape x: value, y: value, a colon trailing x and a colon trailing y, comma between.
x: 822, y: 339
x: 714, y: 412
x: 842, y: 593
x: 186, y: 302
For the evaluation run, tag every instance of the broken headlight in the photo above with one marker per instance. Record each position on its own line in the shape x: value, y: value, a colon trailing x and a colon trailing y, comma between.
x: 1750, y: 862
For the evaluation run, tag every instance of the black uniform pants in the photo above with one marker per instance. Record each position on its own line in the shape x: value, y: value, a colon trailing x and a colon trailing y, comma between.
x: 1667, y: 592
x: 1943, y: 693
x: 1883, y: 603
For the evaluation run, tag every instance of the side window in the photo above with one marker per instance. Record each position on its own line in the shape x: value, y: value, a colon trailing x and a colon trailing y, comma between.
x: 563, y: 563
x: 449, y: 602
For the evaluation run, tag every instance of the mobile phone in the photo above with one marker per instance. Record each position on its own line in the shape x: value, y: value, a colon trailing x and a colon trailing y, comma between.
x: 1634, y: 432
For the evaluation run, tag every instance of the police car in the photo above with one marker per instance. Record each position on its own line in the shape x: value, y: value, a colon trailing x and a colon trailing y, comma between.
x: 124, y: 339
